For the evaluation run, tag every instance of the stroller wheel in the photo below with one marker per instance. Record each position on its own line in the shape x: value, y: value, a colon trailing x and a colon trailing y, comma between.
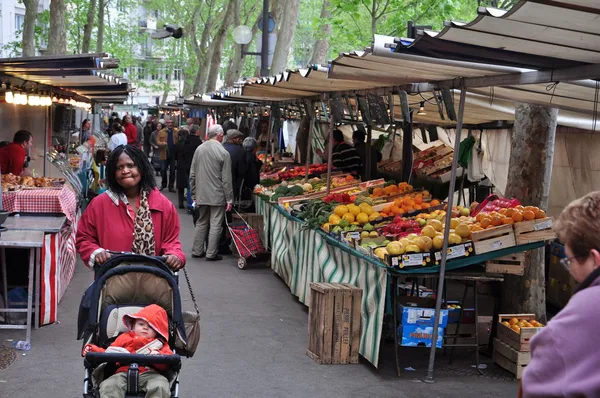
x: 241, y: 263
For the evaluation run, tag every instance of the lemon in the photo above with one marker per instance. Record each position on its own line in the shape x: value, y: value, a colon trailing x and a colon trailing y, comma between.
x: 428, y: 231
x: 366, y: 208
x: 326, y: 227
x: 340, y: 210
x: 395, y: 248
x: 353, y: 209
x: 334, y: 219
x: 436, y: 224
x: 362, y: 218
x: 348, y: 217
x: 438, y: 242
x: 374, y: 216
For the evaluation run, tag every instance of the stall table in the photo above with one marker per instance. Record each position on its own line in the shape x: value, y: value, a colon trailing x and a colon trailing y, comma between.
x: 22, y: 240
x: 300, y: 256
x: 55, y: 212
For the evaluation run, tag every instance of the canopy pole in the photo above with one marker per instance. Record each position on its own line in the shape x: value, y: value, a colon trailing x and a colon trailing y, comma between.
x: 330, y: 149
x: 440, y: 289
x: 311, y: 115
x: 268, y: 143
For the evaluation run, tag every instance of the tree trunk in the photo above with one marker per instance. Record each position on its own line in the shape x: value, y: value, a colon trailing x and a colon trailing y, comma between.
x: 529, y: 174
x: 163, y: 100
x: 202, y: 50
x: 57, y: 34
x: 321, y: 49
x: 237, y: 61
x: 217, y: 49
x: 285, y: 36
x: 31, y: 11
x: 89, y: 26
x: 100, y: 38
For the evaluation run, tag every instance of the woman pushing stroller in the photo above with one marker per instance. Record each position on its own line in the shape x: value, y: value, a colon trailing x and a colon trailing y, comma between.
x: 131, y: 216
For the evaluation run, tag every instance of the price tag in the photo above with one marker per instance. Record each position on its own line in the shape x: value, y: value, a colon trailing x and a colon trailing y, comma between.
x: 353, y: 235
x: 497, y: 244
x: 456, y: 251
x: 411, y: 260
x: 543, y: 225
x: 394, y: 261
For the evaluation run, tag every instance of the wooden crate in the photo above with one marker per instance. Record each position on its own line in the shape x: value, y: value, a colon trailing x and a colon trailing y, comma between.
x: 510, y: 359
x: 534, y: 231
x: 334, y: 320
x: 511, y: 264
x: 493, y: 239
x: 518, y: 341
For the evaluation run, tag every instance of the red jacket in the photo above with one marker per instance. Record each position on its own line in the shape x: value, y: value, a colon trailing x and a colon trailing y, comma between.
x: 131, y: 133
x: 157, y: 318
x: 12, y: 159
x: 106, y: 225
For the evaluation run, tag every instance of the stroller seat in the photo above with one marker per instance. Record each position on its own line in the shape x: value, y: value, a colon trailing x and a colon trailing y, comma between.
x: 124, y: 285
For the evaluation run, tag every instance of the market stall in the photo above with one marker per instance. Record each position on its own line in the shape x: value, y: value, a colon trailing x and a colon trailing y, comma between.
x: 48, y: 198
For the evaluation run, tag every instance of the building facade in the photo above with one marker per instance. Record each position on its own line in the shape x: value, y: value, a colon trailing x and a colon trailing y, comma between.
x: 12, y: 17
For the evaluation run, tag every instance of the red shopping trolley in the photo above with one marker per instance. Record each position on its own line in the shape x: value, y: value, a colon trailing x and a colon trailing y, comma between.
x: 247, y: 243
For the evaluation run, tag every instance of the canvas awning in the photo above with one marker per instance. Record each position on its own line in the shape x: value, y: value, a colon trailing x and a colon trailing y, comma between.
x: 86, y: 75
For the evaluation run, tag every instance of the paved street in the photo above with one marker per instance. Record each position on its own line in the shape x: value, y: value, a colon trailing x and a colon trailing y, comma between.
x: 254, y: 337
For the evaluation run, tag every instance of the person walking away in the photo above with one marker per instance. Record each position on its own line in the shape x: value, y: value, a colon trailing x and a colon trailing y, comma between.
x: 14, y: 155
x: 147, y: 132
x: 156, y: 162
x: 565, y: 353
x: 252, y: 168
x: 192, y: 142
x: 166, y: 139
x: 358, y: 138
x: 234, y: 147
x: 228, y: 125
x: 212, y: 190
x: 118, y: 137
x: 344, y: 156
x: 130, y: 130
x: 140, y: 131
x: 182, y: 177
x: 86, y: 131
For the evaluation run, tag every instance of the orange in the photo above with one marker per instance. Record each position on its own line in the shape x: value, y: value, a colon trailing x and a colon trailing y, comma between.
x: 517, y: 216
x: 502, y: 211
x: 528, y: 215
x: 531, y: 208
x: 395, y: 209
x: 485, y: 222
x: 513, y: 321
x: 378, y: 192
x: 418, y: 207
x: 519, y: 207
x: 349, y: 178
x: 479, y: 216
x: 496, y: 221
x: 435, y: 202
x: 411, y: 203
x: 424, y: 205
x: 540, y: 214
x: 508, y: 220
x: 418, y: 199
x: 387, y: 209
x: 509, y: 212
x: 425, y: 193
x: 409, y: 209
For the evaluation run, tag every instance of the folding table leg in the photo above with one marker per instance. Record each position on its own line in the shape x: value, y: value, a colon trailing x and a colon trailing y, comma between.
x: 476, y: 308
x: 395, y: 312
x: 4, y: 284
x: 460, y: 316
x: 38, y: 286
x: 30, y: 293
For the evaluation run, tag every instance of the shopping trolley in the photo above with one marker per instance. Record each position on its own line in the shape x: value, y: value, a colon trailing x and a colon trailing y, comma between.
x: 247, y: 243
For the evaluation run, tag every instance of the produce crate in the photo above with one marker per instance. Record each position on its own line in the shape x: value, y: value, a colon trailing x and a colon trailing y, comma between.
x: 519, y: 342
x: 409, y: 260
x: 457, y: 251
x: 512, y: 264
x: 334, y: 319
x: 493, y: 239
x: 534, y: 231
x: 510, y: 359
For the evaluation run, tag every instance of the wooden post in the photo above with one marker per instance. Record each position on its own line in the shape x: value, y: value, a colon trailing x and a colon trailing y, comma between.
x: 529, y: 175
x: 311, y: 114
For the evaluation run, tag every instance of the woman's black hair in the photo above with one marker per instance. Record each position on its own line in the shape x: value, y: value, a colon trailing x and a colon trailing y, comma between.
x: 147, y: 181
x: 100, y: 156
x: 84, y: 122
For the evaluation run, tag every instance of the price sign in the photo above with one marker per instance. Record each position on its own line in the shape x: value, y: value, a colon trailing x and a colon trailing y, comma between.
x: 497, y: 244
x: 412, y: 260
x: 353, y: 235
x: 543, y: 225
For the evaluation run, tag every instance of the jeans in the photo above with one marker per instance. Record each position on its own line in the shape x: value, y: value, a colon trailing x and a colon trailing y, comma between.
x: 189, y: 195
x: 170, y: 165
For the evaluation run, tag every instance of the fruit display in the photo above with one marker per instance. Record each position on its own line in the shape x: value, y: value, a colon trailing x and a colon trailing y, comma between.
x: 391, y: 189
x: 506, y: 216
x: 517, y: 324
x: 300, y: 171
x: 410, y: 203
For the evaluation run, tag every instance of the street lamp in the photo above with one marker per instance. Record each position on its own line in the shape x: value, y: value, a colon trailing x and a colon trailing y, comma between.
x: 242, y: 35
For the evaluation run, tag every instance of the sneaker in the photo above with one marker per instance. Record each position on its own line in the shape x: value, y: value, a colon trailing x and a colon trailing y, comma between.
x: 215, y: 258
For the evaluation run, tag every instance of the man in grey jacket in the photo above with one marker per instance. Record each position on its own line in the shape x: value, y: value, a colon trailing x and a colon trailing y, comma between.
x: 212, y: 190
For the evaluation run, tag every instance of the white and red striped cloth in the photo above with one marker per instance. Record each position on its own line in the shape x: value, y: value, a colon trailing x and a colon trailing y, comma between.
x: 43, y: 200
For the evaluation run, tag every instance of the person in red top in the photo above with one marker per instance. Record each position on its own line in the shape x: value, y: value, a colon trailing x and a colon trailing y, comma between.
x: 148, y: 334
x: 13, y: 156
x: 130, y: 130
x: 131, y: 216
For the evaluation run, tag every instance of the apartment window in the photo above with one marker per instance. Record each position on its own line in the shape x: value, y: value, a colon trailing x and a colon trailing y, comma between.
x: 121, y: 6
x: 141, y: 73
x: 19, y: 21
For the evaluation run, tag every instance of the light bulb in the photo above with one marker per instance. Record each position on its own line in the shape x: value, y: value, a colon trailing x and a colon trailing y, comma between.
x: 9, y: 97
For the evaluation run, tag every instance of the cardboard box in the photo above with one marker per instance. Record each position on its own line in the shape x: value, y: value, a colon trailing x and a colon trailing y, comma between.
x: 415, y: 336
x: 420, y: 311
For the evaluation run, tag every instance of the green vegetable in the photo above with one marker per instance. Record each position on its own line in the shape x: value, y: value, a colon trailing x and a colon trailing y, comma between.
x: 337, y: 229
x: 296, y: 190
x: 281, y: 190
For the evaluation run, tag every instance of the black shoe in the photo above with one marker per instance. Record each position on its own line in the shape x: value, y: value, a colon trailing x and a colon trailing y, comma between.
x: 200, y: 256
x: 215, y: 258
x: 171, y: 189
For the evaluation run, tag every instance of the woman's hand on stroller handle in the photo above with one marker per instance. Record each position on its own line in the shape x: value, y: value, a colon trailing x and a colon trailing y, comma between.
x: 102, y: 257
x: 174, y: 262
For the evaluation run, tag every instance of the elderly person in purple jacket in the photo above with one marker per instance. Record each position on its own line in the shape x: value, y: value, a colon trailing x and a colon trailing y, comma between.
x: 565, y: 355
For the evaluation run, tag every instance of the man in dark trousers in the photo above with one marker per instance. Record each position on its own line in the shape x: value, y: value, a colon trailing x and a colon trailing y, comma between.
x: 358, y: 137
x: 185, y: 153
x: 147, y: 132
x: 234, y: 147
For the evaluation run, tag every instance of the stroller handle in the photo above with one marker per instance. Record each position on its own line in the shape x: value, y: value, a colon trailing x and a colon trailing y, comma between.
x: 160, y: 261
x: 95, y: 358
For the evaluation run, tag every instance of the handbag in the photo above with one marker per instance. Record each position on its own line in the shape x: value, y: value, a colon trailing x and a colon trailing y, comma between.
x: 191, y: 323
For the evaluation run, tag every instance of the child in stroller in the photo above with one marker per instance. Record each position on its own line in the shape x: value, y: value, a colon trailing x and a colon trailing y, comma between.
x: 129, y: 287
x: 148, y: 331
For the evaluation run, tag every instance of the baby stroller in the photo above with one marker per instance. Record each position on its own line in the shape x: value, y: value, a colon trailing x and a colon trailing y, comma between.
x: 123, y: 285
x: 247, y: 243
